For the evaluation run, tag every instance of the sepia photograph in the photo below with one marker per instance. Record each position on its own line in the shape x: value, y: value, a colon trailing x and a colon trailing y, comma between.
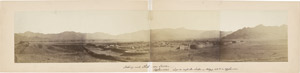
x: 149, y: 36
x: 172, y: 36
x: 219, y: 36
x: 185, y: 36
x: 254, y: 36
x: 82, y: 36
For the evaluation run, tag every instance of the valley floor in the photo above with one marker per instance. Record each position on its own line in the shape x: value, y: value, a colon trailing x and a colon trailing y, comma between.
x: 61, y: 53
x: 255, y: 51
x: 245, y: 51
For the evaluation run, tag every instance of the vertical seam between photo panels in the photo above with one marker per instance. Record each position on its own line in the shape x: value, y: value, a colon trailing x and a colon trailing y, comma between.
x: 149, y: 24
x: 220, y: 32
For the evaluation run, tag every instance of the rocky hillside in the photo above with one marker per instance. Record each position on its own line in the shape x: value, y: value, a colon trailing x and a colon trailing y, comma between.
x: 143, y: 35
x: 260, y: 32
x: 70, y: 35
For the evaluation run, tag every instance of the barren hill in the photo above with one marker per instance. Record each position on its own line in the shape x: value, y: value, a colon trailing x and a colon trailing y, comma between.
x: 142, y: 35
x: 260, y: 32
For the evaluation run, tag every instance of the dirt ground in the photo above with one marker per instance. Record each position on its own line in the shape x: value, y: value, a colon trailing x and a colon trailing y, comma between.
x: 246, y: 51
x: 171, y: 54
x: 255, y: 51
x: 64, y: 53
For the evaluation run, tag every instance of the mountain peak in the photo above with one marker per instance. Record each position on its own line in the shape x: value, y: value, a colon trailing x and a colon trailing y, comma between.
x: 28, y: 32
x: 69, y: 32
x: 260, y: 32
x: 260, y: 25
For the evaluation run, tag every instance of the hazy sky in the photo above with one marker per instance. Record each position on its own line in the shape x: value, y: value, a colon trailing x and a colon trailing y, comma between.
x: 112, y: 22
x: 234, y: 20
x: 119, y: 22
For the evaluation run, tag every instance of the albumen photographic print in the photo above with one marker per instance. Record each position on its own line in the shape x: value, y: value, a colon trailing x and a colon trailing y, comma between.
x: 175, y: 36
x: 219, y: 36
x: 82, y: 36
x: 149, y: 36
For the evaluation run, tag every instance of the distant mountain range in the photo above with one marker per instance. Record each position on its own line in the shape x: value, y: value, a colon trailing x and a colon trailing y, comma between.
x: 71, y: 35
x: 167, y: 34
x: 260, y: 32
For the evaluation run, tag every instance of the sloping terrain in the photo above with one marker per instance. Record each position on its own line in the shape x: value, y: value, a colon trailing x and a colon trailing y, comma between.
x: 256, y: 44
x: 260, y: 32
x: 33, y: 52
x: 143, y: 35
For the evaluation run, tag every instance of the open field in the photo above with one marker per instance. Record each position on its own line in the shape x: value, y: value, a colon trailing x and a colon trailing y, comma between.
x: 170, y: 54
x: 163, y: 51
x: 242, y: 50
x: 255, y: 51
x: 173, y: 53
x: 37, y: 52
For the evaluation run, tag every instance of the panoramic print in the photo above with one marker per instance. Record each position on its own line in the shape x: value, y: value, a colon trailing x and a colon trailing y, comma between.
x: 156, y: 36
